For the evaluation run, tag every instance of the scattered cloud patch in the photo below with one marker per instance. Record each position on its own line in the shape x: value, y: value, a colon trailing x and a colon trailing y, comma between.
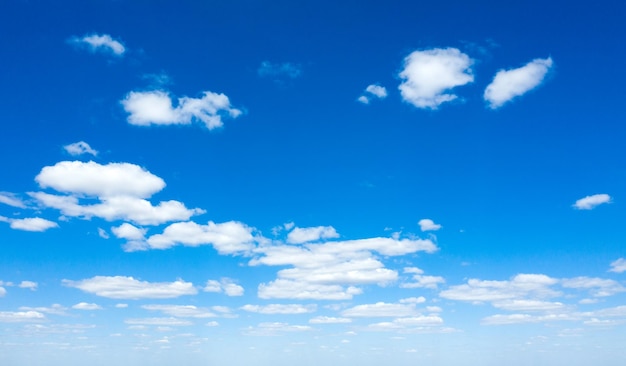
x: 86, y: 306
x: 80, y: 148
x: 121, y: 287
x: 308, y: 234
x: 428, y: 75
x: 329, y: 320
x: 20, y: 316
x: 509, y: 84
x: 100, y: 43
x: 11, y: 200
x: 29, y: 285
x: 419, y: 280
x: 618, y: 266
x: 381, y: 309
x: 590, y: 202
x: 169, y: 322
x: 181, y: 311
x: 3, y: 291
x: 226, y: 285
x: 280, y: 308
x: 36, y: 224
x: 428, y: 225
x: 156, y: 108
x: 373, y: 91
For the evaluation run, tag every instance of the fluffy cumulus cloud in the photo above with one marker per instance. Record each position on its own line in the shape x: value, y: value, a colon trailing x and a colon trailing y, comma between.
x: 332, y: 270
x: 428, y: 225
x: 618, y: 266
x: 591, y: 202
x: 80, y: 148
x: 29, y: 285
x: 520, y: 286
x: 30, y: 224
x: 373, y: 91
x: 121, y: 287
x: 227, y: 238
x: 508, y: 84
x: 100, y: 43
x: 302, y: 235
x: 428, y: 75
x: 156, y: 108
x: 419, y: 280
x: 120, y: 188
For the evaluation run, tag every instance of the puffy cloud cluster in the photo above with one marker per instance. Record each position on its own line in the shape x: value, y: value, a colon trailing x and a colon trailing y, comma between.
x: 226, y: 285
x: 330, y: 270
x: 156, y: 108
x: 373, y: 91
x: 122, y: 190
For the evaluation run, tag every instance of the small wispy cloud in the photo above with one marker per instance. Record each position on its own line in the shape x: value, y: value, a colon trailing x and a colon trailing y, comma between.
x: 373, y: 91
x: 80, y: 148
x: 512, y: 83
x: 279, y: 71
x: 11, y: 200
x: 100, y: 43
x: 590, y: 202
x: 618, y: 266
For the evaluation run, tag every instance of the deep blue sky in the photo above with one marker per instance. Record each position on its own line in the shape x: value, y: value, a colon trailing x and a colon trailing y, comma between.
x: 315, y: 198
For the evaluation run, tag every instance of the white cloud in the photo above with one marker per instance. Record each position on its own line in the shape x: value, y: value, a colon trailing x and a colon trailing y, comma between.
x: 170, y: 322
x: 508, y: 84
x: 55, y: 309
x: 428, y: 225
x: 29, y: 285
x: 428, y: 74
x: 86, y: 306
x: 103, y: 233
x: 212, y: 324
x: 599, y: 287
x: 501, y: 319
x: 329, y: 320
x: 280, y: 308
x: 413, y: 300
x: 80, y: 148
x: 11, y: 200
x: 381, y: 309
x: 373, y: 91
x: 121, y: 306
x: 103, y: 42
x: 128, y: 232
x: 227, y: 238
x: 30, y: 224
x: 522, y: 285
x: 590, y: 202
x: 156, y: 108
x: 308, y: 234
x: 279, y: 70
x: 120, y: 188
x: 181, y: 311
x: 528, y: 305
x: 618, y: 266
x: 227, y: 285
x: 20, y: 316
x: 3, y: 291
x: 287, y: 289
x: 93, y: 179
x: 270, y: 329
x: 323, y: 270
x: 121, y: 287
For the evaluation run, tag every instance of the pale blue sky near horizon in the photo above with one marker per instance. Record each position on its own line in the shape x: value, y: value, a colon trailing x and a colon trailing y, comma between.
x: 272, y: 182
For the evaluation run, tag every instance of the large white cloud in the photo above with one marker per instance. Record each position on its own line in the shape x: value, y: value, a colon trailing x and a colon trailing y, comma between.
x: 121, y: 188
x: 508, y: 84
x: 429, y: 74
x: 590, y: 202
x: 93, y: 179
x: 121, y: 287
x: 100, y: 42
x: 329, y: 270
x: 156, y: 108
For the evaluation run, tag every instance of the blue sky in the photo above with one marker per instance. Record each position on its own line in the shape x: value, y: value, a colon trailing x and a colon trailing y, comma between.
x: 239, y: 182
